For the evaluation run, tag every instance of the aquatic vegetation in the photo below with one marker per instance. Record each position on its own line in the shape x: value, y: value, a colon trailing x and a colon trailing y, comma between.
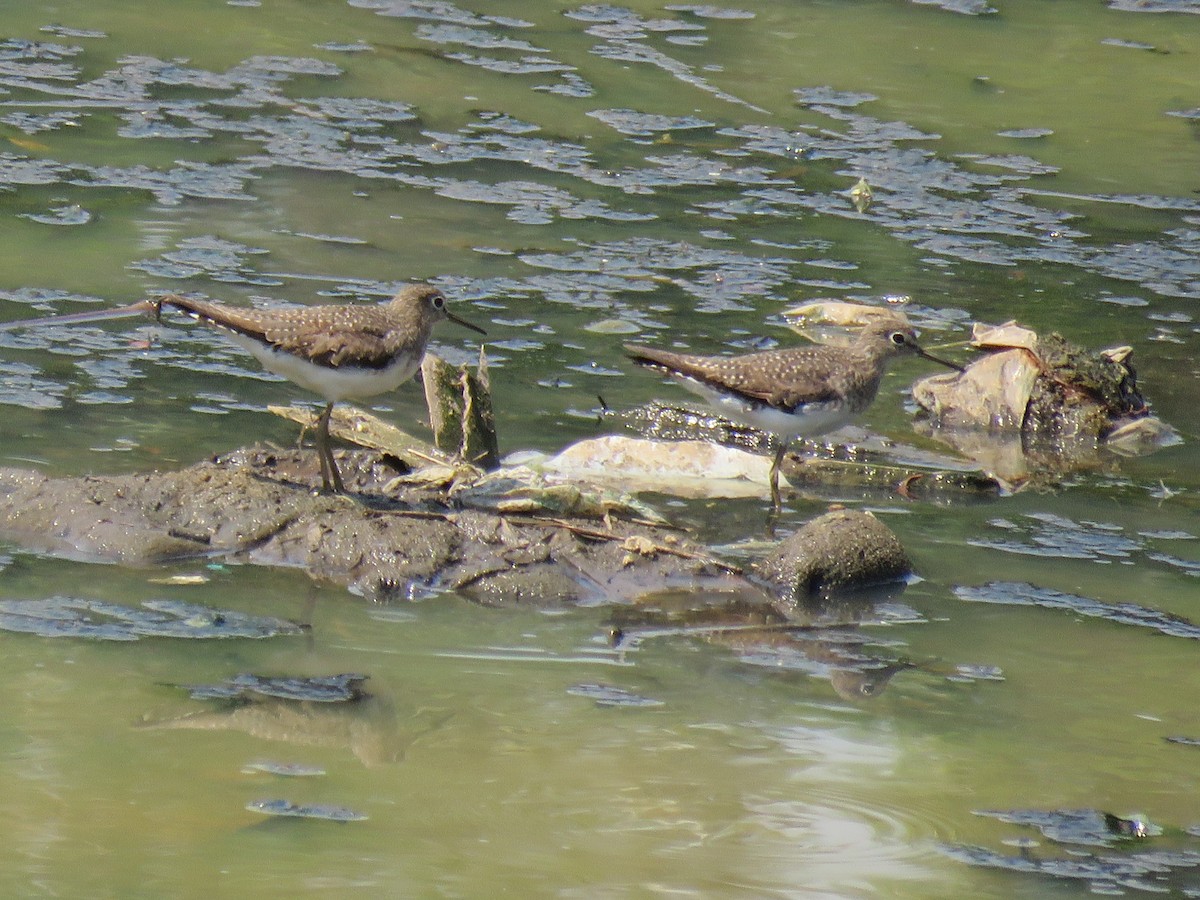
x: 287, y: 809
x: 611, y: 695
x: 1022, y: 594
x: 342, y: 688
x: 100, y: 620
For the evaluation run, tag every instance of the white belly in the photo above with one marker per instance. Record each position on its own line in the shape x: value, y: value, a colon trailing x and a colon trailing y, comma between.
x: 810, y: 420
x: 333, y: 384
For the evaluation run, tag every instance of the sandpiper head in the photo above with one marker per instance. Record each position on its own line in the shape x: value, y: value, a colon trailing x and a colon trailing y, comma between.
x: 430, y: 303
x: 898, y: 338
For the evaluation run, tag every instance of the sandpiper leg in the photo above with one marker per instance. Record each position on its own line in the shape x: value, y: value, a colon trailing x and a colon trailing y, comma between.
x: 779, y: 453
x: 331, y: 478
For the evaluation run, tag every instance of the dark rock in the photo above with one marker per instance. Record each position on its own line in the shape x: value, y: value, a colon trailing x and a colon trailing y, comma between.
x: 840, y: 551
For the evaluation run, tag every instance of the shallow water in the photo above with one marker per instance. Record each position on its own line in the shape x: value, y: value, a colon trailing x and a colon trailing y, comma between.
x: 572, y: 176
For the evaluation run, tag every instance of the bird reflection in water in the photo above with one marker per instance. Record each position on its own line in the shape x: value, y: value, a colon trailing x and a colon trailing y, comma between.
x: 828, y: 643
x: 367, y: 724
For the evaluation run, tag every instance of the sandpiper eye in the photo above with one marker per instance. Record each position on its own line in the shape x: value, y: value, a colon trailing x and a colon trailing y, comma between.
x: 898, y: 338
x: 438, y: 301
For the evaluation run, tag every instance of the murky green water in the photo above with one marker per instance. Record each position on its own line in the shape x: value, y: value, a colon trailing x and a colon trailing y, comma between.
x: 683, y: 169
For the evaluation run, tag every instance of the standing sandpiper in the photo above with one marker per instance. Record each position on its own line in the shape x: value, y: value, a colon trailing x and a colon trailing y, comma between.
x: 337, y: 352
x: 792, y: 392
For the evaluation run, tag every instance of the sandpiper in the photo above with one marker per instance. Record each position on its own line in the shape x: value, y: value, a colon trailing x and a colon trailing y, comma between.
x: 337, y: 352
x: 792, y: 392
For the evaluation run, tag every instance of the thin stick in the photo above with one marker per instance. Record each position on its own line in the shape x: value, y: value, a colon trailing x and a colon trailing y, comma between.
x: 141, y: 308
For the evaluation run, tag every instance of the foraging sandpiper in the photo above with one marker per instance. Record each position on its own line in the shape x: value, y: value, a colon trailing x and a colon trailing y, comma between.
x: 795, y: 391
x: 338, y: 352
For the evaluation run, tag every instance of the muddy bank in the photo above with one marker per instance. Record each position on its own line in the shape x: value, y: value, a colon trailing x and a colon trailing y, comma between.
x: 254, y: 506
x: 398, y: 537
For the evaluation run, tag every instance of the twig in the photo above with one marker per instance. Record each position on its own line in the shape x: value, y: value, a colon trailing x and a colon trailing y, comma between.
x: 414, y: 514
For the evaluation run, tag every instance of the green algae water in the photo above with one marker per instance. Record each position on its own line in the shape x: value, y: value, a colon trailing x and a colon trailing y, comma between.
x: 683, y: 171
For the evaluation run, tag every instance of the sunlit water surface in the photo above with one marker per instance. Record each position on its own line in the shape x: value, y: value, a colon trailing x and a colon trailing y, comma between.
x: 572, y: 175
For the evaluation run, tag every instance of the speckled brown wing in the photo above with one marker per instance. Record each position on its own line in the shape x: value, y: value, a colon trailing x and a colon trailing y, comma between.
x: 325, y: 335
x: 784, y: 379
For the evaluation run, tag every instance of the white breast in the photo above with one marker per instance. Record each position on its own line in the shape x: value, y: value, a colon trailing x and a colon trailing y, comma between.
x: 333, y: 384
x: 810, y: 420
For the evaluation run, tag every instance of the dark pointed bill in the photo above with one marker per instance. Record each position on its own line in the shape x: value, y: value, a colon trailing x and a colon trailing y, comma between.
x: 911, y: 343
x: 938, y: 359
x: 457, y: 320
